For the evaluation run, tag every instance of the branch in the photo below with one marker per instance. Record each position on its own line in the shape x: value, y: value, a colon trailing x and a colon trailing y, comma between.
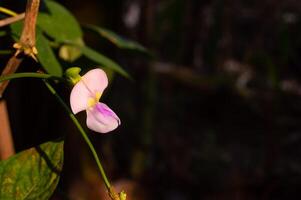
x: 6, y: 141
x: 10, y: 20
x: 28, y: 36
x: 11, y: 66
x: 27, y: 41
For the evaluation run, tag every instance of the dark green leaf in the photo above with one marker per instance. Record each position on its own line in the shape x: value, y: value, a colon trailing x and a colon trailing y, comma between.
x: 3, y: 33
x: 32, y: 174
x: 116, y: 39
x: 57, y: 22
x: 5, y: 52
x: 16, y: 29
x: 103, y: 60
x: 46, y: 56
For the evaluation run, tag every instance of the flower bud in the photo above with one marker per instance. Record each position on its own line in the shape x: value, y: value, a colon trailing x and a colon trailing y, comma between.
x: 73, y: 75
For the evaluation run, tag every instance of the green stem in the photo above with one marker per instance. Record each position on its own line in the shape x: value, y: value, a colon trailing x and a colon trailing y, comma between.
x: 83, y: 133
x: 7, y: 11
x: 28, y: 75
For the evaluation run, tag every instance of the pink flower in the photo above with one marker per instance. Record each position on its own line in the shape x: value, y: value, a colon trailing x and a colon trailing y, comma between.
x: 85, y: 95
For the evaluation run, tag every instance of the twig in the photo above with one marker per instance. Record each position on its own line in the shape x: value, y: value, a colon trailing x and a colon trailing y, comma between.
x: 27, y: 41
x: 28, y: 36
x: 11, y: 66
x: 189, y: 77
x: 6, y: 141
x: 10, y: 20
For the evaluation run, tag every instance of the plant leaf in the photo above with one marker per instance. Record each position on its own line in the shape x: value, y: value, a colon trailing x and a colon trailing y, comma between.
x: 33, y: 173
x: 117, y: 40
x: 103, y: 60
x: 57, y: 22
x: 16, y: 29
x: 46, y: 56
x: 71, y: 52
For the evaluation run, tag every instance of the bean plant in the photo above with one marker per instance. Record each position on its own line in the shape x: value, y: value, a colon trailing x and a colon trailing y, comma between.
x: 49, y: 34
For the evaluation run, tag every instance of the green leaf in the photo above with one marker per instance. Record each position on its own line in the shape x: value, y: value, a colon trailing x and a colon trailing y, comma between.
x: 16, y: 29
x: 116, y: 39
x: 70, y: 52
x: 103, y: 60
x: 32, y: 174
x: 46, y: 56
x: 57, y: 22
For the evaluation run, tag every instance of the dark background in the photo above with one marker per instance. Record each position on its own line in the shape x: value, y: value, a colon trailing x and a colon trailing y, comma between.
x: 214, y: 114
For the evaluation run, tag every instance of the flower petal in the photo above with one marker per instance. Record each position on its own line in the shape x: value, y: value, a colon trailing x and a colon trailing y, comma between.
x: 96, y: 80
x: 79, y: 97
x: 92, y: 82
x: 102, y: 119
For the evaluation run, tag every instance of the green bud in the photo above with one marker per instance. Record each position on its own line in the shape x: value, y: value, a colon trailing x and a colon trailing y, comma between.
x: 73, y: 74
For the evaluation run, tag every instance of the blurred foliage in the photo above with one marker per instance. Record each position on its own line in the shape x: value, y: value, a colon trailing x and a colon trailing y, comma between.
x: 57, y: 28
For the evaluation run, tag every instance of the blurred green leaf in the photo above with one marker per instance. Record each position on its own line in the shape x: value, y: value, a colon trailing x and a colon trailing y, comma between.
x: 16, y: 29
x: 33, y: 173
x: 46, y: 56
x: 117, y: 40
x: 3, y: 33
x: 57, y: 22
x: 5, y: 52
x: 103, y: 60
x: 70, y: 52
